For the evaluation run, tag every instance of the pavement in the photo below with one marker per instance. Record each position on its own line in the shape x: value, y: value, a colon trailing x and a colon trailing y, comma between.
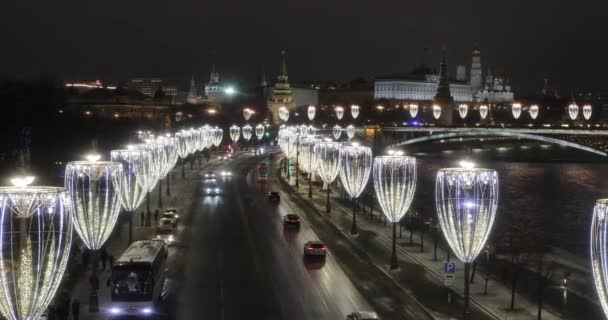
x: 422, y: 276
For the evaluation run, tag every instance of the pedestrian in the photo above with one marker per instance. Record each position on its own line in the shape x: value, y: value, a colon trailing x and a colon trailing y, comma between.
x: 75, y: 309
x: 143, y: 217
x: 104, y: 257
x: 156, y: 213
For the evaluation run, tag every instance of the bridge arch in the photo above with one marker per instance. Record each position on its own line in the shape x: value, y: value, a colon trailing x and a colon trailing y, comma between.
x: 479, y: 133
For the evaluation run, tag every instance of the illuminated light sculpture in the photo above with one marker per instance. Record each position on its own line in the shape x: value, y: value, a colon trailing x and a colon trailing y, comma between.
x: 516, y: 110
x: 312, y: 110
x: 413, y: 110
x: 355, y: 167
x: 288, y: 143
x: 312, y: 131
x: 599, y: 251
x: 217, y: 134
x: 94, y: 190
x: 337, y: 132
x: 307, y: 158
x: 354, y: 111
x: 573, y: 111
x: 247, y: 114
x: 304, y: 131
x: 182, y: 150
x: 327, y: 159
x: 350, y: 131
x: 587, y: 111
x: 394, y: 182
x: 339, y: 112
x: 483, y: 111
x: 169, y: 159
x: 259, y: 131
x: 463, y: 109
x: 436, y: 112
x: 135, y: 180
x: 235, y: 133
x: 533, y: 111
x: 36, y: 236
x: 466, y: 200
x: 154, y: 165
x: 247, y: 131
x: 284, y: 113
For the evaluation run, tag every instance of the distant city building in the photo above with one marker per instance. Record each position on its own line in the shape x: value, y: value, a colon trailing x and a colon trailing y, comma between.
x: 214, y: 92
x: 422, y: 85
x: 147, y: 86
x: 192, y: 97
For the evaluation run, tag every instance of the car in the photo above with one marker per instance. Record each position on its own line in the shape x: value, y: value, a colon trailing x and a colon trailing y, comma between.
x: 209, y: 175
x: 363, y: 315
x: 226, y: 174
x: 315, y: 248
x: 212, y: 190
x: 291, y: 221
x: 166, y: 223
x: 274, y: 196
x: 165, y: 234
x: 224, y: 156
x: 171, y: 215
x: 259, y: 151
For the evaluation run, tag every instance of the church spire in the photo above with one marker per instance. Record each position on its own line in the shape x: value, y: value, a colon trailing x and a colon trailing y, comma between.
x: 443, y: 95
x: 283, y: 71
x: 191, y: 98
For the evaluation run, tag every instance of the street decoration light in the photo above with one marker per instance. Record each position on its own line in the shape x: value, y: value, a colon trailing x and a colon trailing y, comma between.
x: 182, y: 149
x: 169, y: 158
x: 217, y: 135
x: 413, y: 110
x: 463, y: 109
x: 466, y: 199
x: 355, y: 167
x: 259, y: 131
x: 436, y: 112
x: 35, y: 237
x: 247, y: 131
x: 599, y: 251
x: 337, y: 132
x: 339, y: 112
x: 587, y: 110
x: 247, y: 114
x: 284, y: 113
x: 483, y: 111
x: 573, y: 111
x: 516, y: 110
x: 288, y: 144
x: 235, y: 133
x: 135, y: 179
x: 354, y: 111
x: 312, y: 110
x: 395, y: 184
x: 327, y: 160
x: 307, y: 158
x: 155, y: 162
x: 533, y: 111
x: 94, y: 188
x: 350, y: 131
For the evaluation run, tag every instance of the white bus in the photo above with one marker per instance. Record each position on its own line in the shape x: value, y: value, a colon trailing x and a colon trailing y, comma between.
x: 137, y: 278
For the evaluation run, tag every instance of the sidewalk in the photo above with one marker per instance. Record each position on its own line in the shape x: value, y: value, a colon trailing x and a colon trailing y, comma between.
x: 376, y: 239
x: 182, y: 191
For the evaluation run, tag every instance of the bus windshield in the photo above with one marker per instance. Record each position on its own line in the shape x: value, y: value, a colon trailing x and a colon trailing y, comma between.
x: 131, y: 283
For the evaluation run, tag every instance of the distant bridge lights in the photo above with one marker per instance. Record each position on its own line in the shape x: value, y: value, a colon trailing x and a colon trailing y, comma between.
x: 436, y: 111
x: 463, y: 109
x: 516, y: 110
x: 483, y: 111
x: 533, y: 111
x: 573, y: 111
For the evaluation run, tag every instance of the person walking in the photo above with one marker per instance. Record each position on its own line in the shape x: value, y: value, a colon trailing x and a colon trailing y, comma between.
x: 75, y: 309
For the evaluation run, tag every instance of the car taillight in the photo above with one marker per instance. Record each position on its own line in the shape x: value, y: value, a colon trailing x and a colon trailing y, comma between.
x: 323, y: 248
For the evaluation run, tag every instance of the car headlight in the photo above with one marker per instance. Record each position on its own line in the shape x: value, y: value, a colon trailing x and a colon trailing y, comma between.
x: 217, y: 189
x: 208, y: 190
x: 146, y: 310
x: 115, y: 310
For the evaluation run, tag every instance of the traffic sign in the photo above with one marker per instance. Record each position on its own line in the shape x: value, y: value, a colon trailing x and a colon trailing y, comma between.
x: 449, y: 267
x: 448, y: 279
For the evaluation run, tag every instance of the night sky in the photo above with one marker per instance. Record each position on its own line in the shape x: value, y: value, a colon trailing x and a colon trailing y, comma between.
x: 336, y: 40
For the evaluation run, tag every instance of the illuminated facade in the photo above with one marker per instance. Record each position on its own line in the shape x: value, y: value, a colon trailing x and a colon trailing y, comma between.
x: 281, y: 95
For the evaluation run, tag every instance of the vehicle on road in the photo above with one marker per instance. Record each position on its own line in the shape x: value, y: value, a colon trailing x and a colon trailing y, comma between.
x: 274, y: 196
x: 262, y: 172
x: 224, y: 156
x: 167, y: 223
x: 137, y: 279
x: 226, y: 174
x: 209, y: 175
x: 259, y: 151
x: 165, y: 234
x: 291, y: 221
x: 170, y: 215
x: 315, y: 248
x: 213, y: 189
x: 363, y: 315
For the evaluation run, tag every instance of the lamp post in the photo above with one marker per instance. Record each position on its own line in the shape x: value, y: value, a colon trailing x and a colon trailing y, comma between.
x: 327, y: 159
x: 288, y: 144
x: 35, y: 237
x: 135, y: 180
x: 182, y: 149
x: 355, y: 167
x: 339, y: 112
x: 395, y: 184
x: 466, y: 200
x: 306, y: 150
x: 337, y: 132
x: 94, y: 187
x: 350, y: 131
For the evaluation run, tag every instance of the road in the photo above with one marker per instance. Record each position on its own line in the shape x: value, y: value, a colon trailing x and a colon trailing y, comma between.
x: 242, y: 264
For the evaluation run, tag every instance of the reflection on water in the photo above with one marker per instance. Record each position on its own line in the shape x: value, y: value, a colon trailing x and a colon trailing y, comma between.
x: 559, y: 194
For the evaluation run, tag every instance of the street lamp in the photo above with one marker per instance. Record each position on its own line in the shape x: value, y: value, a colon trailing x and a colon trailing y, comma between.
x: 533, y: 111
x: 339, y: 112
x: 413, y: 110
x: 135, y: 180
x: 311, y: 112
x: 182, y: 149
x: 395, y: 184
x: 288, y: 144
x: 483, y: 111
x: 94, y: 188
x: 355, y: 167
x: 350, y: 131
x: 327, y: 159
x: 573, y: 111
x: 35, y: 238
x: 466, y: 200
x: 235, y: 133
x: 306, y: 150
x: 516, y: 110
x: 599, y: 251
x: 337, y: 132
x: 436, y: 112
x: 354, y: 111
